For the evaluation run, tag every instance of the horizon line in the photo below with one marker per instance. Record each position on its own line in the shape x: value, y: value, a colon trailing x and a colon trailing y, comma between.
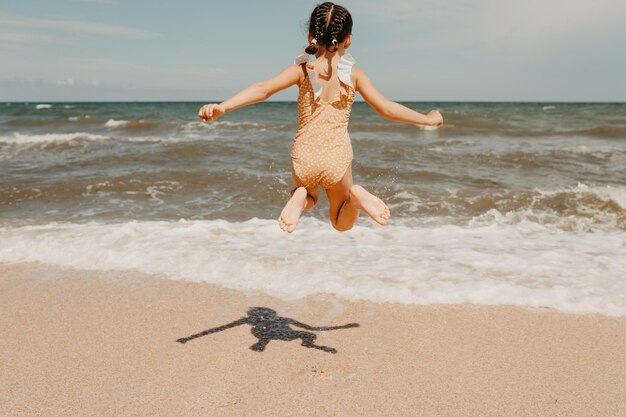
x: 295, y: 101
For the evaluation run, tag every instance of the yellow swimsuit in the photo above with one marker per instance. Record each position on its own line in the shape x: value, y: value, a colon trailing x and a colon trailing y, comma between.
x: 322, y: 152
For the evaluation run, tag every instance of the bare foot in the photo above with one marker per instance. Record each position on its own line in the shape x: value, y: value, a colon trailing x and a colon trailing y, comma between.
x: 370, y: 204
x: 290, y: 215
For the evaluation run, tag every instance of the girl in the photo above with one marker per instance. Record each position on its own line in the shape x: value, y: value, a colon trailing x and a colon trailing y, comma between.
x: 322, y: 153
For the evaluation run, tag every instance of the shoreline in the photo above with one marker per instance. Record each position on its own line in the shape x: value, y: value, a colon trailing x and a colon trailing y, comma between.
x: 104, y: 343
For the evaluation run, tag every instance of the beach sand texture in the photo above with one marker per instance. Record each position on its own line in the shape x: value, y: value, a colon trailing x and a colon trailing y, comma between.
x: 79, y: 343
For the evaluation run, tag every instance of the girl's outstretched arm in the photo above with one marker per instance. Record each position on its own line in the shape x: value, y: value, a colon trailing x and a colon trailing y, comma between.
x: 252, y: 94
x: 389, y: 109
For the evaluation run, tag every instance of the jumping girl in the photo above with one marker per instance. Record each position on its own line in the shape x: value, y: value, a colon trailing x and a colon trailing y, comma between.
x: 321, y: 154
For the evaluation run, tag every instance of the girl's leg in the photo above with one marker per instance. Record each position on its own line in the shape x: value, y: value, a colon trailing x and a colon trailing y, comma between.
x: 341, y: 213
x: 302, y: 199
x: 346, y: 200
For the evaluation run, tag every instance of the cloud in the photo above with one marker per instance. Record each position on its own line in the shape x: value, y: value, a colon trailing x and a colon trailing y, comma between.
x: 73, y: 26
x: 493, y: 23
x: 23, y: 38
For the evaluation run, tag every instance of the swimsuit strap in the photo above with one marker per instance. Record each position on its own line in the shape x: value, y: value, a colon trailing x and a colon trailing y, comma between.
x: 344, y: 69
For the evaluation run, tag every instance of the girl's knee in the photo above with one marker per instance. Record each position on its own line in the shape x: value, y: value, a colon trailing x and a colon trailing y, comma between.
x: 341, y: 227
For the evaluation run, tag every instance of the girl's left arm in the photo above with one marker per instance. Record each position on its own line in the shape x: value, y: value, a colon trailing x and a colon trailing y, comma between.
x: 390, y: 109
x: 254, y: 93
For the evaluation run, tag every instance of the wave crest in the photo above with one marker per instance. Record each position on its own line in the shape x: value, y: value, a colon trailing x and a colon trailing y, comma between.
x: 520, y: 264
x: 19, y: 139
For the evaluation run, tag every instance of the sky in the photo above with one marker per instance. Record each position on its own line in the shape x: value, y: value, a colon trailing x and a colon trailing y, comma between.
x: 412, y: 50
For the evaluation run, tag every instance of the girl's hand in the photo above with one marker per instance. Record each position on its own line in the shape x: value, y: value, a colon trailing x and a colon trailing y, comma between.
x: 434, y: 118
x: 210, y: 112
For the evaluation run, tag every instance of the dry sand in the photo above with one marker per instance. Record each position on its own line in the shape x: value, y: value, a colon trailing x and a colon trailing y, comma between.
x: 84, y: 343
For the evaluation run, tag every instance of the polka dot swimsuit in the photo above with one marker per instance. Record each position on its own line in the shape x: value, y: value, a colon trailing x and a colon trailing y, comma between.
x: 322, y: 152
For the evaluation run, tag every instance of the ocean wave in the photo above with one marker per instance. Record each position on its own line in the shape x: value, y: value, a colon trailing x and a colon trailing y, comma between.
x: 52, y: 122
x: 607, y: 193
x: 23, y: 122
x: 139, y: 125
x: 567, y: 200
x: 452, y: 128
x: 597, y: 132
x: 227, y: 125
x: 464, y: 129
x: 480, y: 127
x: 242, y: 125
x: 48, y: 140
x: 116, y: 123
x: 43, y: 106
x: 582, y: 208
x: 364, y: 127
x: 601, y: 131
x: 522, y: 264
x: 581, y: 199
x: 139, y: 188
x: 133, y: 186
x: 19, y: 139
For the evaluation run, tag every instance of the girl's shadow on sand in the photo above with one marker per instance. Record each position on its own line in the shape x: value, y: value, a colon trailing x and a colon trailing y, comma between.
x: 266, y: 325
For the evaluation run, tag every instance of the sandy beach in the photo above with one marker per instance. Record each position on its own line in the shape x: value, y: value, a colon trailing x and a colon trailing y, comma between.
x: 104, y: 343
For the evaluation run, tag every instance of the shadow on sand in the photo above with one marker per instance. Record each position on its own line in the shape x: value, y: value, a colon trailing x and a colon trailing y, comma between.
x: 266, y: 326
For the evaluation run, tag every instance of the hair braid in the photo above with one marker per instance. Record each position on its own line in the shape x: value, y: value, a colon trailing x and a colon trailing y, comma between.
x: 329, y: 25
x: 336, y: 27
x: 317, y: 26
x: 329, y: 17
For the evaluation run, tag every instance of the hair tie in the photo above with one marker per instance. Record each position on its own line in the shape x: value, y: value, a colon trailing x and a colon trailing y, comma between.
x: 335, y: 42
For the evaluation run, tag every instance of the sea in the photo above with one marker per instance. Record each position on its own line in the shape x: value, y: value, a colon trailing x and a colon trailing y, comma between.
x: 506, y: 203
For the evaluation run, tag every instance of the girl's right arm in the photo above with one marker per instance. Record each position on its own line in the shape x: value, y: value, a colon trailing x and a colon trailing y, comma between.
x: 254, y: 93
x: 389, y: 109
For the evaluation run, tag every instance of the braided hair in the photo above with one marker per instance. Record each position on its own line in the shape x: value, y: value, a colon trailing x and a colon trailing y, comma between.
x: 329, y: 25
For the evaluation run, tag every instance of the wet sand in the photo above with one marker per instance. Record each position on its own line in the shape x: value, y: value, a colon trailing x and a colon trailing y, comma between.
x: 79, y: 343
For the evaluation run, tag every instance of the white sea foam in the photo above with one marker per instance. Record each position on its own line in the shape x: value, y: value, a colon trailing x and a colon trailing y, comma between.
x: 116, y: 123
x: 428, y: 128
x: 193, y: 126
x: 607, y: 193
x: 582, y: 208
x: 43, y: 106
x: 549, y: 107
x: 18, y: 138
x: 494, y: 262
x: 234, y: 124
